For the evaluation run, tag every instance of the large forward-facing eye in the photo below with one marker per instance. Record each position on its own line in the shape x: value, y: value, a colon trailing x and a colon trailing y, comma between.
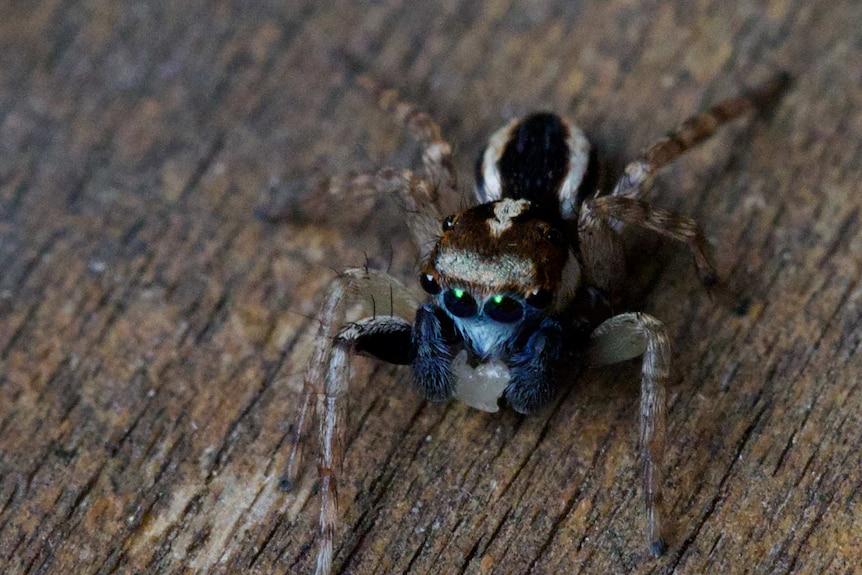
x: 460, y: 303
x: 504, y: 309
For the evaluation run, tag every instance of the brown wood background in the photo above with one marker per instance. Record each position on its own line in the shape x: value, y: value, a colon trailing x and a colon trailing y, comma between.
x: 152, y: 331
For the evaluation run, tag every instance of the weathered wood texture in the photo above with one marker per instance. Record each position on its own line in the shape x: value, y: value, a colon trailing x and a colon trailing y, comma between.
x: 153, y: 332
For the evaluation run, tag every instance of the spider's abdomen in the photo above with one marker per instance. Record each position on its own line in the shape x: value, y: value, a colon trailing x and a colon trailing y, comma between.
x: 535, y: 160
x: 540, y: 158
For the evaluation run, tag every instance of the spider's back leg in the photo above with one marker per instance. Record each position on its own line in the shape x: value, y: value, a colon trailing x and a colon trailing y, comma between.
x: 693, y: 131
x: 436, y: 151
x: 422, y: 197
x: 607, y: 210
x: 338, y: 198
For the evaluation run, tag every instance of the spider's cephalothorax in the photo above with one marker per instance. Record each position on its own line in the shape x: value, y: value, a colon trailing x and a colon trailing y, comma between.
x: 499, y: 278
x: 517, y: 288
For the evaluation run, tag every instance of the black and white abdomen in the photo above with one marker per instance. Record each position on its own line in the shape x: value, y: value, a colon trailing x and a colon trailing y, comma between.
x: 540, y: 158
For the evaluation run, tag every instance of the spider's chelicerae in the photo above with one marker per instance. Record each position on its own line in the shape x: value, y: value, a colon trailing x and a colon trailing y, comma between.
x: 520, y: 287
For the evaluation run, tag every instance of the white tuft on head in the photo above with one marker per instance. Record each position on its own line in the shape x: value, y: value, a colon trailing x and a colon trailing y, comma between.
x: 504, y: 211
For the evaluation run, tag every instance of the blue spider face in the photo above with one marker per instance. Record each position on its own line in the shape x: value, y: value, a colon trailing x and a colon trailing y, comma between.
x: 490, y: 324
x: 499, y: 308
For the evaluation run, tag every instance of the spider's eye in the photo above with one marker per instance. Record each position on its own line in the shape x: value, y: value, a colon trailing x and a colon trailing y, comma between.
x: 460, y: 303
x: 504, y: 309
x: 448, y: 223
x: 555, y: 237
x: 429, y: 284
x: 539, y: 299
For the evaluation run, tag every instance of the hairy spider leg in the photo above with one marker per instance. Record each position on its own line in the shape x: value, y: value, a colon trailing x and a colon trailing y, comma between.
x: 624, y: 337
x: 603, y: 217
x: 417, y: 198
x: 327, y: 379
x: 422, y: 196
x: 329, y: 362
x: 663, y: 222
x: 416, y: 195
x: 436, y: 151
x: 371, y: 291
x: 628, y: 335
x: 694, y: 131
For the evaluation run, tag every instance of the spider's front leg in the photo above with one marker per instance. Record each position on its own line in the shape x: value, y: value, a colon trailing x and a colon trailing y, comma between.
x: 385, y: 332
x: 629, y: 335
x: 624, y: 337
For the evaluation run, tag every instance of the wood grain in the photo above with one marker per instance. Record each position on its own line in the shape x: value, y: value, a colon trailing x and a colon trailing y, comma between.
x: 153, y: 331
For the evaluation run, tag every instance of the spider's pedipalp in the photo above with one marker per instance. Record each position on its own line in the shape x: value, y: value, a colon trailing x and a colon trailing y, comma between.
x: 434, y: 343
x: 535, y: 369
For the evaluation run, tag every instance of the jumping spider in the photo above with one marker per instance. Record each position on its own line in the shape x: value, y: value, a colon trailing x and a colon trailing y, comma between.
x: 519, y: 287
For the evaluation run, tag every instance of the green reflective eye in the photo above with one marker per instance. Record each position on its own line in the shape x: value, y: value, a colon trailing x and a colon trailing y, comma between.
x: 460, y: 303
x: 504, y: 309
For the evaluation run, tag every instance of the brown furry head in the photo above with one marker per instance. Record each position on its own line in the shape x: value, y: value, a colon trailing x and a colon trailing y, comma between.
x: 507, y: 246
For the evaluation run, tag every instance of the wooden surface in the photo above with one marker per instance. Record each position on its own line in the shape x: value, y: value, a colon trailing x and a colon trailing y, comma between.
x: 153, y: 332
